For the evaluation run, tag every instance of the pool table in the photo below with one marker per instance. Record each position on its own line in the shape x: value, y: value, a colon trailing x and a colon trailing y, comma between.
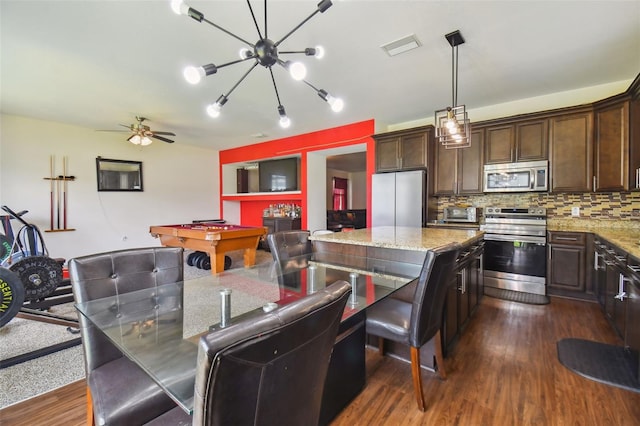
x: 212, y: 238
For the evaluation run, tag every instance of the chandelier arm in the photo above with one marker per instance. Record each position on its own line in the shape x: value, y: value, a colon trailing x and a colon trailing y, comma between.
x: 255, y: 22
x: 228, y: 32
x: 311, y: 85
x: 274, y: 86
x: 241, y: 78
x: 234, y: 62
x: 297, y: 27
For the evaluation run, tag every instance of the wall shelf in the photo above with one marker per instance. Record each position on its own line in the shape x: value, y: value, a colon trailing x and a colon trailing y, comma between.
x: 263, y: 196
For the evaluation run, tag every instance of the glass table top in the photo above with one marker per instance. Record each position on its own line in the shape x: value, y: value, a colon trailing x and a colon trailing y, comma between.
x: 159, y: 328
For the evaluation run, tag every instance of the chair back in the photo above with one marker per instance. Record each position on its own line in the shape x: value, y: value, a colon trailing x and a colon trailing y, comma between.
x: 271, y: 369
x: 107, y: 274
x: 431, y: 291
x: 284, y: 246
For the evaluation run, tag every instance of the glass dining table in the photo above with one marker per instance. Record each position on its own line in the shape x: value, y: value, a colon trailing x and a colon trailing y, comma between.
x: 159, y: 328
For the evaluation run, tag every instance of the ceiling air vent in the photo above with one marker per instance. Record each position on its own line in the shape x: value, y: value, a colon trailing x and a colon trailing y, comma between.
x: 401, y: 45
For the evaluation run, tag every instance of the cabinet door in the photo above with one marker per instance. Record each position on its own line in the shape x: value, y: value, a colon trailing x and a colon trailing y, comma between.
x: 499, y: 142
x: 634, y: 144
x: 571, y: 148
x: 413, y: 151
x: 444, y: 176
x: 470, y: 165
x: 566, y: 268
x: 532, y: 140
x: 388, y: 154
x: 612, y: 148
x: 463, y: 297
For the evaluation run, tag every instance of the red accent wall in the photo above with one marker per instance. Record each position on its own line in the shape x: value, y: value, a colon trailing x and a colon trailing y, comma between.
x: 351, y: 134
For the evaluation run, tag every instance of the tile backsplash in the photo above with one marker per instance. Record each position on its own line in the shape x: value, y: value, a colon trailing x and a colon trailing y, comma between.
x: 603, y: 206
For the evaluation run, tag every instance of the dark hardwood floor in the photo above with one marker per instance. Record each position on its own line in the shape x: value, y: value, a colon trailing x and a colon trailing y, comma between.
x: 504, y: 371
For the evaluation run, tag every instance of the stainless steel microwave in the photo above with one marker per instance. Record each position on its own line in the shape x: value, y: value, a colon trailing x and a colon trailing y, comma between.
x: 517, y: 177
x: 462, y: 214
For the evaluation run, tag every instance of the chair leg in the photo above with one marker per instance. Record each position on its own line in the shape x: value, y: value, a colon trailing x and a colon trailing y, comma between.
x: 417, y: 377
x: 439, y: 356
x: 381, y: 346
x: 89, y: 408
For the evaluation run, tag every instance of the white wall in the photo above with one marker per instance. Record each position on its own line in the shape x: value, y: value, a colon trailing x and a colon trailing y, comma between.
x: 180, y: 185
x: 316, y: 203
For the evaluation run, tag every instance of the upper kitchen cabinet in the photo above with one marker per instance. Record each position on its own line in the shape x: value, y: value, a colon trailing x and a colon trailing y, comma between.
x: 403, y: 149
x: 515, y: 142
x: 634, y: 135
x: 571, y: 151
x: 611, y: 153
x: 459, y: 171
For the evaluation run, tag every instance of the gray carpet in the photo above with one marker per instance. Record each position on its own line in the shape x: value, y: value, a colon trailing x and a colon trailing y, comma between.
x: 516, y: 296
x: 41, y: 375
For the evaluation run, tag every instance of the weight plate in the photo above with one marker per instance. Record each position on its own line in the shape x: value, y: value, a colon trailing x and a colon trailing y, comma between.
x: 201, y: 260
x: 5, y: 247
x: 15, y: 257
x: 40, y: 276
x: 227, y: 262
x: 11, y: 295
x: 196, y: 258
x: 206, y: 263
x: 190, y: 258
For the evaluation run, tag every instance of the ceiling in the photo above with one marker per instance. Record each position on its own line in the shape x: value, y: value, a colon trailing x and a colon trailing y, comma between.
x: 98, y: 64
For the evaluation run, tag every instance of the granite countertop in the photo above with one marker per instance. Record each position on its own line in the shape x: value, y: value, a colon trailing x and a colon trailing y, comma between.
x: 623, y: 234
x: 405, y: 238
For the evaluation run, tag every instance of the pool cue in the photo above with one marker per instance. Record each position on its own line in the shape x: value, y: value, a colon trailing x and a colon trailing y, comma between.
x: 51, y: 171
x: 64, y: 191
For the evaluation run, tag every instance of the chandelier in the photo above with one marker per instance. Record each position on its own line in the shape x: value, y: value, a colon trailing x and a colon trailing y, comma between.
x: 263, y: 52
x: 452, y: 124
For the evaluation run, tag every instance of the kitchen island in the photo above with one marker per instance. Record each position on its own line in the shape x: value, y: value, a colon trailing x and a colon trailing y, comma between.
x: 410, y: 245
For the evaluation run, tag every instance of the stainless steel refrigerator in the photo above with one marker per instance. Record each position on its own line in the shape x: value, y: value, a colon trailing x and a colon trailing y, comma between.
x: 400, y: 199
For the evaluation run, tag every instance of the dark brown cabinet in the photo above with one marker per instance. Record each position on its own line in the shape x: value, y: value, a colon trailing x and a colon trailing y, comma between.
x: 516, y: 142
x: 277, y: 224
x: 611, y: 154
x: 403, y: 150
x: 567, y: 271
x: 571, y: 152
x: 459, y: 171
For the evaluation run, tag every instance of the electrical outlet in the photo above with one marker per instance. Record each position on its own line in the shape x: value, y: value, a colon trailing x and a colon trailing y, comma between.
x: 575, y: 211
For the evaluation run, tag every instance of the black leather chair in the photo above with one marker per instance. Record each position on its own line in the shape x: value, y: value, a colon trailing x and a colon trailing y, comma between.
x: 414, y: 321
x: 284, y: 247
x: 118, y: 391
x: 269, y: 369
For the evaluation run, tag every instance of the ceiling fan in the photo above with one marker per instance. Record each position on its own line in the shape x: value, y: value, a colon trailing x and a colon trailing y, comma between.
x: 142, y: 133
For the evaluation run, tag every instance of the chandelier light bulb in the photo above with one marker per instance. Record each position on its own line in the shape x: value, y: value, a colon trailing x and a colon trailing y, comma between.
x: 285, y: 122
x: 297, y: 70
x: 179, y: 8
x: 457, y: 137
x: 336, y: 103
x: 214, y: 110
x: 193, y: 74
x: 319, y: 52
x: 245, y: 53
x: 145, y: 141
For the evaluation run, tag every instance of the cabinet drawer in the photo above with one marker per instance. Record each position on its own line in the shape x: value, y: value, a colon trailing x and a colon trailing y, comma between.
x: 568, y: 238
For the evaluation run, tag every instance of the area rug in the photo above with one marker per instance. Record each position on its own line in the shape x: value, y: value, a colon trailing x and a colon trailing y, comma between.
x: 604, y: 363
x: 517, y: 296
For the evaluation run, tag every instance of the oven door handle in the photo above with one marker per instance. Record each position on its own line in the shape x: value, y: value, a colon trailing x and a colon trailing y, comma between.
x: 519, y: 238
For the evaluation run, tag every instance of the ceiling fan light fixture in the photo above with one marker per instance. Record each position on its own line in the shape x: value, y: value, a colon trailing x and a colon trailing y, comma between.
x: 135, y: 139
x: 144, y: 141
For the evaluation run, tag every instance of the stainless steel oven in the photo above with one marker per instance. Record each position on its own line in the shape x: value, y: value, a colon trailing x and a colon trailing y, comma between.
x: 515, y: 249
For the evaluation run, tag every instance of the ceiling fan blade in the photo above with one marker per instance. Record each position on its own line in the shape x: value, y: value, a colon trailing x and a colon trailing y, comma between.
x: 164, y: 133
x: 162, y: 139
x: 130, y: 127
x: 118, y: 131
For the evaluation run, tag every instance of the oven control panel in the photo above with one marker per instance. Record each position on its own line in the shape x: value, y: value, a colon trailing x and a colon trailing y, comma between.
x: 516, y: 211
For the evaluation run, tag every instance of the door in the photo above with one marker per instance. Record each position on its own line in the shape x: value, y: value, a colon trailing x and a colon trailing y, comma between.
x: 383, y: 199
x: 410, y: 198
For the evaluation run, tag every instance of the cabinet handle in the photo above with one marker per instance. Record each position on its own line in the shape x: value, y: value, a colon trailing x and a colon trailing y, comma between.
x: 567, y: 238
x: 621, y: 293
x: 595, y: 261
x: 608, y: 263
x: 634, y: 268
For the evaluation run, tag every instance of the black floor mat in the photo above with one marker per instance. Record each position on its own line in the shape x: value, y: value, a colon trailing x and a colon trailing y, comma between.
x: 604, y: 363
x: 516, y: 296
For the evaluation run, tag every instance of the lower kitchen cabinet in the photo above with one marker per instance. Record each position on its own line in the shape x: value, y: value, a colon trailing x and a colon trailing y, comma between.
x: 567, y: 271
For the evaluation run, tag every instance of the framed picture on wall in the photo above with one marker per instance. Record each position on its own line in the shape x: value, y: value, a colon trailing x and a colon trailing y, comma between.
x: 118, y: 175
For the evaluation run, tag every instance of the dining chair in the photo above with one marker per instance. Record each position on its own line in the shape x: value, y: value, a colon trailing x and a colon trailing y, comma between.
x: 286, y: 247
x: 268, y: 369
x: 414, y: 321
x: 118, y: 391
